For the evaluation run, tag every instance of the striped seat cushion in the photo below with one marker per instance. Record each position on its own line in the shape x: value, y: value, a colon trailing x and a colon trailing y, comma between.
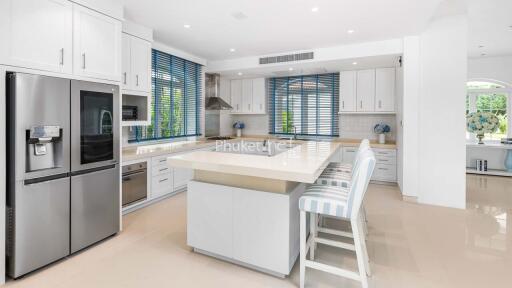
x: 334, y: 177
x: 326, y: 200
x: 337, y: 165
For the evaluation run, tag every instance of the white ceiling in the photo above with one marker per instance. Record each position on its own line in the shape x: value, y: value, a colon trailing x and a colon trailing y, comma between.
x: 274, y: 26
x: 490, y: 25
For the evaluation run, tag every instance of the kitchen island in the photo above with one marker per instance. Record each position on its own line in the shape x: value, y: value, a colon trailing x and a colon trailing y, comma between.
x: 243, y: 207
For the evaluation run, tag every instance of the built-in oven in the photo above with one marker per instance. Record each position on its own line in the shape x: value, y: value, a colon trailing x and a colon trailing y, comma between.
x: 135, y: 179
x: 94, y: 125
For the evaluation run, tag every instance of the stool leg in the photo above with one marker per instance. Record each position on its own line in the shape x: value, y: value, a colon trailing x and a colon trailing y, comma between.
x: 365, y: 250
x: 313, y: 232
x: 359, y: 251
x: 302, y: 247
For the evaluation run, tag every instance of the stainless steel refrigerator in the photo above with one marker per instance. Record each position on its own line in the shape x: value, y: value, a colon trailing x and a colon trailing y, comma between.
x: 62, y: 168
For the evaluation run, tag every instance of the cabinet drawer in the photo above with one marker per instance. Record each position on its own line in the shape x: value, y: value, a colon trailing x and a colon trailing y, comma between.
x: 160, y: 170
x: 384, y: 159
x: 385, y: 152
x: 159, y: 160
x: 384, y: 172
x: 161, y: 185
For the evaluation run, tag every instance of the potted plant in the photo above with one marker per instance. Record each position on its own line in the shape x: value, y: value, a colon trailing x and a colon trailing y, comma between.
x: 381, y: 129
x: 239, y: 125
x: 481, y: 123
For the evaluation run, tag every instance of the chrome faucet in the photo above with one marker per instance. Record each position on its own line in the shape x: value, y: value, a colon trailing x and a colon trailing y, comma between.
x: 294, y: 132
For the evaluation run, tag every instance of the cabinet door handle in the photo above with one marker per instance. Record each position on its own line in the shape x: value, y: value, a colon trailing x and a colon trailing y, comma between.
x: 248, y: 106
x: 124, y: 78
x: 361, y: 104
x: 83, y: 60
x: 163, y: 180
x: 343, y: 104
x: 136, y: 80
x: 261, y: 106
x: 61, y: 57
x: 380, y: 104
x: 162, y: 160
x: 163, y: 169
x: 237, y: 107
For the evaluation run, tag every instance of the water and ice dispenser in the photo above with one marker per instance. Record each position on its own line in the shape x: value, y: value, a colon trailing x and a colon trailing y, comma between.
x: 44, y: 148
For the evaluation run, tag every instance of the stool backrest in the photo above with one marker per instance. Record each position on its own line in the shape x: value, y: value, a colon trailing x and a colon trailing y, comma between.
x: 363, y: 146
x: 360, y: 180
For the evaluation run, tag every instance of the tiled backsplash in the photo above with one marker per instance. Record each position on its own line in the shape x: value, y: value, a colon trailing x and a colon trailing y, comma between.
x: 361, y: 126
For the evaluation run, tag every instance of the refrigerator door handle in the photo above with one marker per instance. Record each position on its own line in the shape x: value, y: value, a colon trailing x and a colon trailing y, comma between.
x: 86, y: 171
x: 45, y: 179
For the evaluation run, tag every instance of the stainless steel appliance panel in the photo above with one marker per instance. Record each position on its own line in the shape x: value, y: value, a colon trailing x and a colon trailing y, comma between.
x: 95, y: 125
x: 41, y: 225
x: 95, y: 207
x: 135, y: 182
x: 40, y: 100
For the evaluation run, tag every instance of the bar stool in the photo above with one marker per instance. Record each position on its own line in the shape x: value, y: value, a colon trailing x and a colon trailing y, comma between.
x: 340, y: 174
x: 341, y: 203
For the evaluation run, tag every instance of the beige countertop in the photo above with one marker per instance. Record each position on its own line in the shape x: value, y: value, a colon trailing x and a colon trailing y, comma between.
x: 146, y: 151
x: 302, y: 163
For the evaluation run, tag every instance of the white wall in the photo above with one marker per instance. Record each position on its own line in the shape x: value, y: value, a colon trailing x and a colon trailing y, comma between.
x: 361, y: 126
x: 410, y: 121
x: 491, y: 68
x: 443, y: 74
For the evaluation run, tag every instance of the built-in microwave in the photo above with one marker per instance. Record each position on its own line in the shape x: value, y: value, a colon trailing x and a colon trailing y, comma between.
x: 129, y: 113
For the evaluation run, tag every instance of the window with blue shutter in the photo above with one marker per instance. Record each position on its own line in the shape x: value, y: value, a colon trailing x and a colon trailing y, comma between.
x: 307, y: 104
x: 176, y: 95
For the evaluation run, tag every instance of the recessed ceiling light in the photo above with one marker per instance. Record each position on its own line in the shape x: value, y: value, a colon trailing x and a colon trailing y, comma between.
x: 232, y: 50
x: 481, y: 46
x: 240, y: 74
x: 314, y: 9
x: 291, y: 68
x: 350, y: 31
x: 354, y: 63
x: 186, y: 26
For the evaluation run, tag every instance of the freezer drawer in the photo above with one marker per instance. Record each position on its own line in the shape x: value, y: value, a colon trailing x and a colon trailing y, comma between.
x: 41, y: 225
x: 95, y: 211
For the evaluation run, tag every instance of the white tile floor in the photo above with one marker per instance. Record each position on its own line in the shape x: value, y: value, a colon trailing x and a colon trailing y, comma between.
x: 410, y: 245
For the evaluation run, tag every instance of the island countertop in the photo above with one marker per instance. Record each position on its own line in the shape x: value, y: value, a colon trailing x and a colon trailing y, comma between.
x: 302, y: 163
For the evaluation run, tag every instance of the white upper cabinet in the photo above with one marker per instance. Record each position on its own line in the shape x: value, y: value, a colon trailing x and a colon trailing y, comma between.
x: 96, y: 44
x: 365, y: 90
x: 385, y: 90
x: 348, y: 82
x: 246, y: 95
x: 36, y: 34
x: 236, y: 96
x: 258, y: 96
x: 126, y: 61
x: 136, y: 64
x: 141, y: 64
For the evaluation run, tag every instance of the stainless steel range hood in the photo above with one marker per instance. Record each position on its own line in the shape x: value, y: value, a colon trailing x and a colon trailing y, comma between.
x: 213, y: 100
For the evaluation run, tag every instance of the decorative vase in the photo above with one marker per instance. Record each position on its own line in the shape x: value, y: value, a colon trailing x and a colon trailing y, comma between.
x: 238, y: 132
x: 382, y: 138
x: 508, y: 160
x: 480, y: 138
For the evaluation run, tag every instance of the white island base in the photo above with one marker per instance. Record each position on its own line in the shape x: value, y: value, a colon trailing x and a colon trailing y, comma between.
x: 244, y: 225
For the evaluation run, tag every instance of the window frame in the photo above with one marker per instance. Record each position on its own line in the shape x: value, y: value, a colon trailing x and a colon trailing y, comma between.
x: 334, y: 102
x: 153, y: 109
x: 474, y: 93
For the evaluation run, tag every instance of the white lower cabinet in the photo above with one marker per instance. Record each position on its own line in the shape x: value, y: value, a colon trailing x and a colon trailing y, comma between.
x: 385, y: 167
x: 161, y: 185
x: 181, y: 177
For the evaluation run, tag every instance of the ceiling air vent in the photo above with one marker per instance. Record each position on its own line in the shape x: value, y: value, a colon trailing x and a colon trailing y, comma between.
x: 287, y: 58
